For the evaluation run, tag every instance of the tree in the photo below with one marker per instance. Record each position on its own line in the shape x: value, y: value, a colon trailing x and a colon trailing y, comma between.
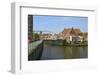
x: 83, y: 40
x: 64, y: 42
x: 36, y: 36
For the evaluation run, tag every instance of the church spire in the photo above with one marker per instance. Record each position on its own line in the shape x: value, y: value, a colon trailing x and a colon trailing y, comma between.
x: 72, y: 28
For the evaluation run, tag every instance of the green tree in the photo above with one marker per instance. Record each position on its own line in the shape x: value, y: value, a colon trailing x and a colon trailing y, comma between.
x: 83, y: 40
x: 64, y: 42
x: 36, y: 36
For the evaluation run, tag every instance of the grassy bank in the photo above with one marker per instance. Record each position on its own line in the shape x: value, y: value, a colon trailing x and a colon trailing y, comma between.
x: 64, y: 43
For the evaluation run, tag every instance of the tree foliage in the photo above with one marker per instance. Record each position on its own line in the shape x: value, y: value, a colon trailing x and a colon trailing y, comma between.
x: 64, y: 42
x: 36, y: 36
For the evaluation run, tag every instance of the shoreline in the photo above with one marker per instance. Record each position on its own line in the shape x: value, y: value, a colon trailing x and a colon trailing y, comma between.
x: 70, y: 45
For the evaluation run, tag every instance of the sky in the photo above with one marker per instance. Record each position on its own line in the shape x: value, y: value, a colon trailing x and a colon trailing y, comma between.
x: 58, y: 23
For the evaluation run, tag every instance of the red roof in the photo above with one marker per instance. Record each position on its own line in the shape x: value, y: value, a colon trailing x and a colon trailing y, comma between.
x: 71, y: 30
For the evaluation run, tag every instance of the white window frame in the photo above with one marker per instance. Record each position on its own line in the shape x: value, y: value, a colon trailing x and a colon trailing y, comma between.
x: 17, y: 60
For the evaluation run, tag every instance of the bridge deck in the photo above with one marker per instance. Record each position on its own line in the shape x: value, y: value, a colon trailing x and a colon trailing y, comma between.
x: 33, y: 45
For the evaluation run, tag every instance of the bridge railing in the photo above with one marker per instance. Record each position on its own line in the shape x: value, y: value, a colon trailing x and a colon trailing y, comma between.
x: 35, y: 50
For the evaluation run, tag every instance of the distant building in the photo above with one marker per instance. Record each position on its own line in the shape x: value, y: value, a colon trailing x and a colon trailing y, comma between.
x: 45, y: 36
x: 68, y: 34
x: 73, y: 35
x: 48, y: 36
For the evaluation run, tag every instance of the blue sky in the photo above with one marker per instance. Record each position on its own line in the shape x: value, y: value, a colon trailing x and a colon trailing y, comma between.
x: 58, y: 23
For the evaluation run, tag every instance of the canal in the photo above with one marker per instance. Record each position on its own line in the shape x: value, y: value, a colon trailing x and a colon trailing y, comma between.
x: 63, y: 52
x: 48, y: 50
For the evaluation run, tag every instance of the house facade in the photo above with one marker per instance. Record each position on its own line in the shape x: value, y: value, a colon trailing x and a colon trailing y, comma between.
x: 74, y: 35
x: 68, y: 34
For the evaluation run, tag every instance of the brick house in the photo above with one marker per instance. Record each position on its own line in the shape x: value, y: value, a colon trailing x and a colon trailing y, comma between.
x: 73, y: 34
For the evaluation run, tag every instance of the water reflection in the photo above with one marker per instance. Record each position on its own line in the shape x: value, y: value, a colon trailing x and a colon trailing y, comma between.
x: 63, y: 52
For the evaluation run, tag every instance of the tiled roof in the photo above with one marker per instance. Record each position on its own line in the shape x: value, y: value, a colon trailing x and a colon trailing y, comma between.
x: 71, y: 30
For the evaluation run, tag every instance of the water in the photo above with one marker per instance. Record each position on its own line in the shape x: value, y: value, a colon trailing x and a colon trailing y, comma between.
x: 64, y: 52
